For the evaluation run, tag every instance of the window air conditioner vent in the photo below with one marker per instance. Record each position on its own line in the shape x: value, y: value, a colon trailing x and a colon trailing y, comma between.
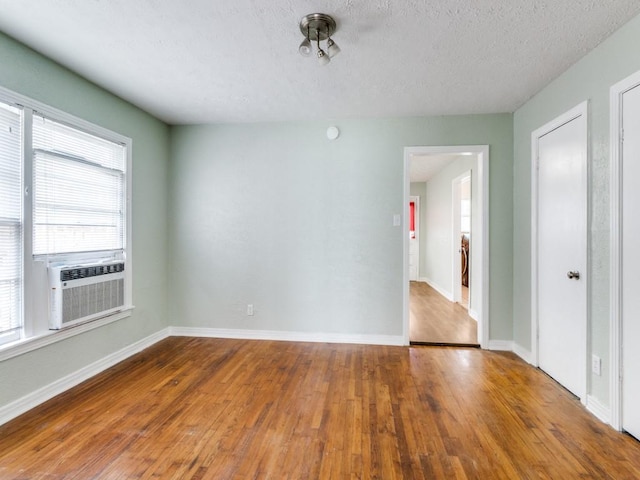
x: 84, y: 292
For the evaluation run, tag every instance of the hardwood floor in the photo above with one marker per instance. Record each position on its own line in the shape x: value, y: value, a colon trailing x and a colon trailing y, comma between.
x: 435, y: 320
x: 195, y: 408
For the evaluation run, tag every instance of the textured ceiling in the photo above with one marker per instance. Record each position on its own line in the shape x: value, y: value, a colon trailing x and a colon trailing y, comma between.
x: 202, y: 61
x: 424, y: 167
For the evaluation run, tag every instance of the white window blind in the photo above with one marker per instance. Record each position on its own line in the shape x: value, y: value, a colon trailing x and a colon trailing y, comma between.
x: 10, y: 223
x: 79, y: 190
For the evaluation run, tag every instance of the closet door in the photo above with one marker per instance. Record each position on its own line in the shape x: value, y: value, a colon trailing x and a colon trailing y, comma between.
x: 631, y: 262
x: 561, y: 240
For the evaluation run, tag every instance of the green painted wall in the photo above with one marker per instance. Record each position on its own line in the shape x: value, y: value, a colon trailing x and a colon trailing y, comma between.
x: 589, y: 79
x: 280, y: 217
x: 28, y: 73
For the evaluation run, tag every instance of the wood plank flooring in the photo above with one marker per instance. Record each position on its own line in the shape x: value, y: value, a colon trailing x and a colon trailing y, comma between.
x: 436, y: 320
x: 196, y: 408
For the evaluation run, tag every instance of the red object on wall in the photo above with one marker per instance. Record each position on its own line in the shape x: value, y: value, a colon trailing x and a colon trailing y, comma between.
x: 412, y: 216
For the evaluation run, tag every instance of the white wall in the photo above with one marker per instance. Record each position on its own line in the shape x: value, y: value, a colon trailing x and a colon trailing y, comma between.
x: 439, y: 227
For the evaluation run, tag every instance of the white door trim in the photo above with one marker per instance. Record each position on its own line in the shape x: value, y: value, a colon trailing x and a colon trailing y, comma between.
x: 578, y: 111
x: 615, y: 288
x: 481, y: 292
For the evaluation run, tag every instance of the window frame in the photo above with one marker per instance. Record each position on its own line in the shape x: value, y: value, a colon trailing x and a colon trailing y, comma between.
x: 35, y: 332
x: 15, y: 334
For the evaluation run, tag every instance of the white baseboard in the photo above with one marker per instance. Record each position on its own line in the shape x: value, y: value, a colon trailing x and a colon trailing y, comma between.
x: 510, y: 346
x: 423, y: 280
x: 602, y: 412
x: 500, y: 345
x: 446, y: 294
x: 473, y: 314
x: 33, y: 399
x: 523, y: 353
x: 397, y: 340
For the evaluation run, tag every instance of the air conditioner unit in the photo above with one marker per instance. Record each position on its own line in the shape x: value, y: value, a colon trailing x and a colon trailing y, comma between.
x: 84, y: 292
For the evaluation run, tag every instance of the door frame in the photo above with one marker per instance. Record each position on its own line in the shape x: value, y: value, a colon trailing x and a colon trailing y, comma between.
x: 580, y: 111
x: 482, y: 241
x: 615, y: 305
x: 416, y: 200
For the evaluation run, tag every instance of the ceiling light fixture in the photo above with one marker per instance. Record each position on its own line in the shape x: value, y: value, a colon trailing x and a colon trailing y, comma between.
x: 317, y: 27
x: 305, y: 46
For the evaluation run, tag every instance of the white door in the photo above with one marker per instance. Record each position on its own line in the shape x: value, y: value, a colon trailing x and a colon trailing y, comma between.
x: 631, y: 262
x: 561, y: 253
x: 414, y: 240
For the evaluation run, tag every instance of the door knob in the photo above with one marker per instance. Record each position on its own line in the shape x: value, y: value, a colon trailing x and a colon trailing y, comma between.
x: 575, y: 275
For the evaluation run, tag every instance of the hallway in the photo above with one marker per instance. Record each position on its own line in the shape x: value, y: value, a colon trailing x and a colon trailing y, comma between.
x: 435, y: 320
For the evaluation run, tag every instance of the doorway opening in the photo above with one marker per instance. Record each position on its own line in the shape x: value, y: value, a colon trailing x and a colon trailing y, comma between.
x: 446, y: 295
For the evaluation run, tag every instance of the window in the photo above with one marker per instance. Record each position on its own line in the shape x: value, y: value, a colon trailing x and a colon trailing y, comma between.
x: 78, y: 189
x: 10, y: 223
x: 64, y: 200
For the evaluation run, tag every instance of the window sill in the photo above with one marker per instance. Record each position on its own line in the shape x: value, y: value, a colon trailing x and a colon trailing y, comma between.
x: 26, y: 345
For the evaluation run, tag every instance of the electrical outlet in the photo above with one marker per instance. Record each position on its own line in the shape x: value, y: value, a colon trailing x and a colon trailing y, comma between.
x: 250, y: 309
x: 596, y: 364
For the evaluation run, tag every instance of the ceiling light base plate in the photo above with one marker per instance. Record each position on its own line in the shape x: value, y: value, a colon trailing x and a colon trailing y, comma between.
x: 320, y: 26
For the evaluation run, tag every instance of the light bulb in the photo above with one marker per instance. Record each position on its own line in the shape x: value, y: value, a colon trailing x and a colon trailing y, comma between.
x: 323, y: 58
x: 333, y: 48
x: 305, y: 48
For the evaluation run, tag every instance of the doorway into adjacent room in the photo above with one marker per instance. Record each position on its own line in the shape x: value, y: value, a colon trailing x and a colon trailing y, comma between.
x: 444, y: 294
